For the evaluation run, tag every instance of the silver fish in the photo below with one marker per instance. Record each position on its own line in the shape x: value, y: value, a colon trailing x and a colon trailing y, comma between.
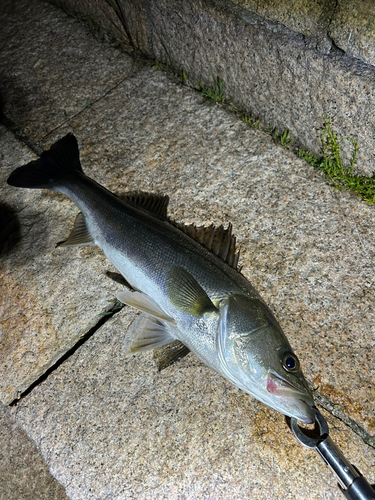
x: 186, y: 282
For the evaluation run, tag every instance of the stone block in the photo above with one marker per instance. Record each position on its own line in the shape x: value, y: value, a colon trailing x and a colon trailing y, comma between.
x: 353, y: 29
x: 23, y: 472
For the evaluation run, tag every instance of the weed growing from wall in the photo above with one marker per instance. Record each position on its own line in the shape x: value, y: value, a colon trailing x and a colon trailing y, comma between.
x: 340, y: 175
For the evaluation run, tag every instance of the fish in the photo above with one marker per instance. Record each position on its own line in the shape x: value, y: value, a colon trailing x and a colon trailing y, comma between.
x: 184, y: 279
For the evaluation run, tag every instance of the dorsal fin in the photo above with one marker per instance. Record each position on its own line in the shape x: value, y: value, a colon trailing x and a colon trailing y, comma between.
x: 154, y: 203
x: 218, y: 240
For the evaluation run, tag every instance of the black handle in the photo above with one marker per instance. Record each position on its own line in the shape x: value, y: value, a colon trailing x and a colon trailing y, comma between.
x: 360, y: 489
x: 353, y: 485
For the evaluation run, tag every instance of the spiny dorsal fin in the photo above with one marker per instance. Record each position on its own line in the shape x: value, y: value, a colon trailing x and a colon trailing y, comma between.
x: 218, y: 240
x: 154, y: 203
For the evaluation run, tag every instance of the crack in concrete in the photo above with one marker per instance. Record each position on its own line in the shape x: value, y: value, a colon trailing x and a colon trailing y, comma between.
x: 334, y: 45
x: 108, y: 315
x: 320, y: 399
x: 20, y: 135
x: 337, y: 412
x: 117, y: 7
x: 137, y: 66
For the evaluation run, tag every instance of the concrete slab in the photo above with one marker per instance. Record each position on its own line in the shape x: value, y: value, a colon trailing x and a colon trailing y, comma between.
x: 311, y: 18
x: 40, y: 95
x: 353, y: 27
x: 349, y: 24
x: 41, y: 319
x: 50, y: 68
x: 286, y: 79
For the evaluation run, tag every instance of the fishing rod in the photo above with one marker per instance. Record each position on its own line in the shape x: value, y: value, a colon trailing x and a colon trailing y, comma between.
x: 350, y: 481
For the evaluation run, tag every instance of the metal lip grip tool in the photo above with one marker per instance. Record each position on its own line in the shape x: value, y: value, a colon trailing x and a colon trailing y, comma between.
x: 353, y: 485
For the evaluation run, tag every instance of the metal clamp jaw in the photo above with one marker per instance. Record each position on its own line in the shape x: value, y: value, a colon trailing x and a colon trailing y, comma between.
x: 353, y: 485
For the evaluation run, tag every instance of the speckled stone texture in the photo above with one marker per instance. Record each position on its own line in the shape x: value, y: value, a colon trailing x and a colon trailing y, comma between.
x: 353, y: 29
x: 350, y: 24
x: 29, y: 45
x: 38, y: 324
x: 282, y: 76
x: 312, y: 18
x: 113, y: 427
x: 23, y: 472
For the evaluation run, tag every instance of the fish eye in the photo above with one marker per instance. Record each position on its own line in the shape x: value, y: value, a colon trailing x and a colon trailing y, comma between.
x: 290, y: 363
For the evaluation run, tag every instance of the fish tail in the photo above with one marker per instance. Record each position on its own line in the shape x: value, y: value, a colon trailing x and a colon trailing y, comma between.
x: 46, y: 172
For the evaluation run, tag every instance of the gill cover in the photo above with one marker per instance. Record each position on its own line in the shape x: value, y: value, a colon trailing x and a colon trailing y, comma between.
x: 257, y: 357
x: 243, y: 322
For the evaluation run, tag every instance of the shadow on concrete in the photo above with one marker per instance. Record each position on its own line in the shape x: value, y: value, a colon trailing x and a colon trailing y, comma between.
x: 9, y: 229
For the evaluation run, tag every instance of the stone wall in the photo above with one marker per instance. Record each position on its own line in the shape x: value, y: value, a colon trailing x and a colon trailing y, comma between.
x: 348, y: 24
x: 287, y: 63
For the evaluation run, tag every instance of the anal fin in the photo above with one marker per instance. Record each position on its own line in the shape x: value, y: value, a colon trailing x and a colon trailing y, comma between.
x: 80, y: 235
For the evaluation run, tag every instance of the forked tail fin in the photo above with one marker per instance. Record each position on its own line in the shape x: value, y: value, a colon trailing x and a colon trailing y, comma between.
x: 62, y: 158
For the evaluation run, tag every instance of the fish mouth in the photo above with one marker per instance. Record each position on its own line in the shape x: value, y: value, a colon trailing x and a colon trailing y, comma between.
x: 297, y: 402
x: 305, y: 413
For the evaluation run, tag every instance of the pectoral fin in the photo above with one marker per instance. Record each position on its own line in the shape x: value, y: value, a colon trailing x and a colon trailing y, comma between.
x: 80, y: 236
x: 186, y: 294
x: 144, y: 303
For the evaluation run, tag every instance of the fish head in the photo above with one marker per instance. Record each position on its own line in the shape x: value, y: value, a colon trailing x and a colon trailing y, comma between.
x: 256, y: 356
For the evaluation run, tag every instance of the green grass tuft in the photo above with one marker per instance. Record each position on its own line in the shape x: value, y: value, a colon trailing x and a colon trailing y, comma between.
x: 215, y: 93
x: 117, y: 306
x: 247, y: 118
x: 183, y: 78
x: 281, y: 138
x: 340, y: 176
x: 285, y: 140
x: 157, y: 66
x: 309, y: 157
